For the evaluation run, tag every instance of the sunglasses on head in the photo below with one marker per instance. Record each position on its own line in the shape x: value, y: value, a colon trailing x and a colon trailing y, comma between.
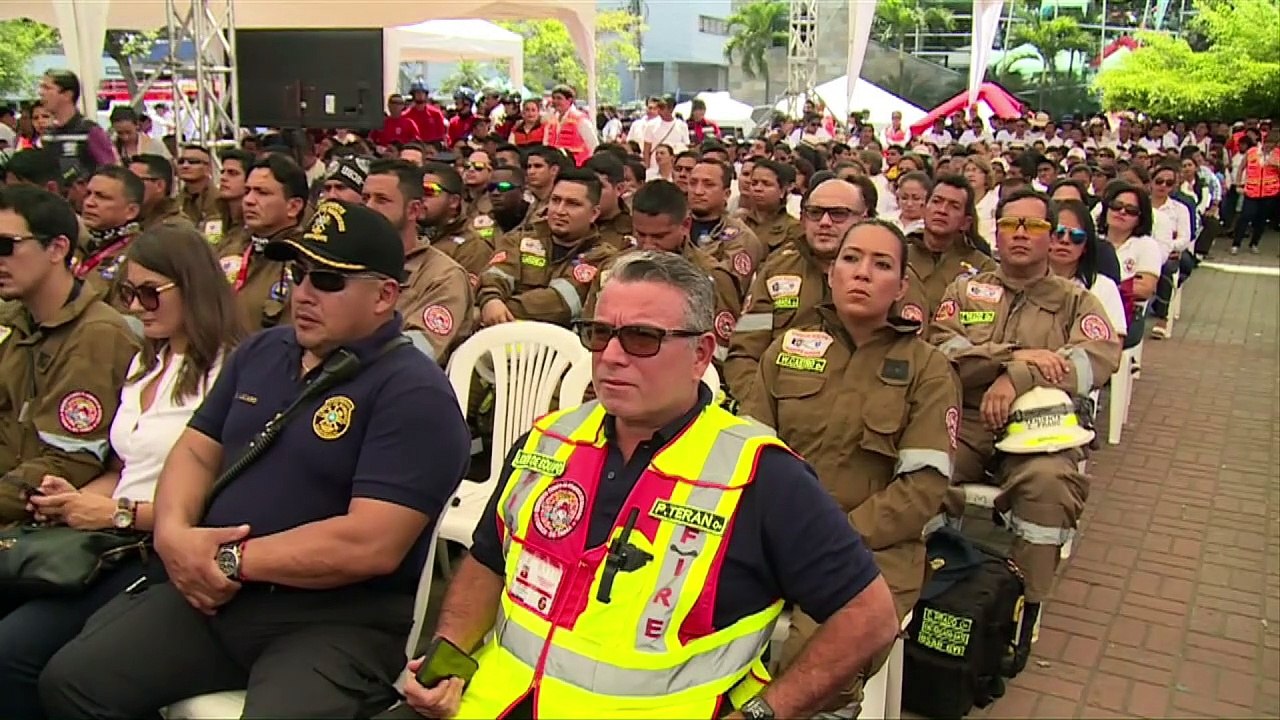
x: 502, y: 186
x: 147, y: 294
x: 636, y: 340
x: 815, y: 213
x: 1032, y: 224
x: 1126, y: 209
x: 9, y: 243
x: 326, y: 281
x: 1075, y: 235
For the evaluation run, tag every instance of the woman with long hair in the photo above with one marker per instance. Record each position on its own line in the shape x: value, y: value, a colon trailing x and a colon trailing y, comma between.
x: 978, y: 172
x: 912, y: 193
x: 1126, y: 219
x: 173, y: 285
x: 1073, y: 254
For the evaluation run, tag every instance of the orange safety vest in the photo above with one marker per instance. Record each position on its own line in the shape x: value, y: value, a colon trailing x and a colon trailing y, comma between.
x: 1260, y: 179
x: 563, y: 133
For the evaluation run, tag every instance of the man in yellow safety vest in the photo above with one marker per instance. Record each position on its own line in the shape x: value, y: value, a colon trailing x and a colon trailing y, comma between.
x: 639, y: 548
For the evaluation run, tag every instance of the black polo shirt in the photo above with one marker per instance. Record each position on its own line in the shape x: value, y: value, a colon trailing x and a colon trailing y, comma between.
x: 790, y: 540
x: 393, y: 433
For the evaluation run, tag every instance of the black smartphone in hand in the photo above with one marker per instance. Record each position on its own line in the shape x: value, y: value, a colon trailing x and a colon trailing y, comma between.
x: 445, y: 660
x: 25, y: 489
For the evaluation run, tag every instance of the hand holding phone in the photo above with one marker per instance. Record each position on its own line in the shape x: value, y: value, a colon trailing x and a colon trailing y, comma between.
x: 444, y: 660
x: 25, y: 489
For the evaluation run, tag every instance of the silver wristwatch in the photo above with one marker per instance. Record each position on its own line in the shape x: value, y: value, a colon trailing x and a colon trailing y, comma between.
x: 756, y: 709
x: 228, y: 559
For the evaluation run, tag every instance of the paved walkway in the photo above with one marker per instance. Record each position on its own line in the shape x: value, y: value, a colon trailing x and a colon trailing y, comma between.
x: 1170, y: 606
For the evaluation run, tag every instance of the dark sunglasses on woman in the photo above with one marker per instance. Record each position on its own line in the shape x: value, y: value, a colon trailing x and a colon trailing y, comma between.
x: 637, y: 340
x: 147, y: 294
x: 1075, y: 235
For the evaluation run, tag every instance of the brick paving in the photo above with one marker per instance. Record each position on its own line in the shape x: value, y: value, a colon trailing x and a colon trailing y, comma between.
x: 1170, y: 606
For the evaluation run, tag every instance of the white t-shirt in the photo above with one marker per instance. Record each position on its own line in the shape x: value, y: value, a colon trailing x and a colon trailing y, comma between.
x: 637, y: 130
x: 1139, y: 255
x: 143, y: 440
x: 986, y: 210
x: 941, y: 139
x: 907, y: 227
x: 673, y: 133
x: 1171, y: 226
x: 1105, y: 289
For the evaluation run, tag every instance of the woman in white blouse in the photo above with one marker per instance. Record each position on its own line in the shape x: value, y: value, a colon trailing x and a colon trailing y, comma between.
x: 173, y: 285
x: 1073, y: 254
x: 978, y: 172
x: 1126, y: 218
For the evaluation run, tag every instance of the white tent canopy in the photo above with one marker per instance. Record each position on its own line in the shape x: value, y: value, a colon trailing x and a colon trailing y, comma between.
x: 866, y: 96
x: 721, y: 109
x: 450, y: 41
x: 83, y: 23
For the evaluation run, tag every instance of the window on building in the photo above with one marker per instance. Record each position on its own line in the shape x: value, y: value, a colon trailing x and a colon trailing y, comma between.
x: 712, y: 25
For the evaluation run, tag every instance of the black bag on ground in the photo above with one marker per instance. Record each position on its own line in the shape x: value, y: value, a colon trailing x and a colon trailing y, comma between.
x: 963, y: 627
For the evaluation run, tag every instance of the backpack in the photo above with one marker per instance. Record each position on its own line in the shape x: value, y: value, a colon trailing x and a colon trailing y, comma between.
x: 960, y: 645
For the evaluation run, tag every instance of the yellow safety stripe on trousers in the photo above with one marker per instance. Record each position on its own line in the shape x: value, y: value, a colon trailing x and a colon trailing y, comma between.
x: 569, y: 294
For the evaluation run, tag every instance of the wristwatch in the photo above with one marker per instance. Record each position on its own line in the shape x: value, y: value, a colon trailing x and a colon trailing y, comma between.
x: 228, y: 559
x: 756, y: 709
x: 125, y: 515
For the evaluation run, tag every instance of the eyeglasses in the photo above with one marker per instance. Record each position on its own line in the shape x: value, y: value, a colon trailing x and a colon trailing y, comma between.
x: 1167, y: 182
x: 637, y: 340
x: 1125, y: 209
x: 9, y: 243
x: 433, y: 189
x: 815, y: 213
x: 147, y: 295
x: 190, y: 161
x: 1032, y: 224
x: 1075, y: 235
x: 477, y: 166
x: 326, y: 281
x: 502, y: 186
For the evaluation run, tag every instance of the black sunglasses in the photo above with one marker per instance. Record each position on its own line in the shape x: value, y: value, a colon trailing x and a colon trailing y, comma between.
x: 1075, y: 235
x: 502, y: 186
x: 326, y: 281
x: 9, y: 242
x: 147, y: 295
x: 637, y: 340
x: 814, y: 213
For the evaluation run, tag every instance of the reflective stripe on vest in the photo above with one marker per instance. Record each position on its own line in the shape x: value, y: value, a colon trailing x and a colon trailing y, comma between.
x: 652, y: 649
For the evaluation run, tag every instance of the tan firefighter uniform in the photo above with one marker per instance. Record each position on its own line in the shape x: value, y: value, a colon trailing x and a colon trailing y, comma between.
x: 979, y: 324
x: 929, y: 274
x: 59, y: 389
x: 539, y: 280
x: 166, y: 213
x: 777, y: 233
x: 437, y: 302
x: 259, y: 284
x: 102, y: 266
x: 202, y: 206
x: 737, y: 247
x: 786, y: 293
x: 879, y: 425
x: 617, y: 231
x: 459, y: 240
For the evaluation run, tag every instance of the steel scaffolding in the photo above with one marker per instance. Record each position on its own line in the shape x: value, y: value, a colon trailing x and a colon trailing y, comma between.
x: 802, y: 46
x: 212, y: 117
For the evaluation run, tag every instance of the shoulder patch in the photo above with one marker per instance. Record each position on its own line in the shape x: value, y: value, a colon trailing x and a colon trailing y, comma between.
x: 80, y: 412
x: 532, y: 246
x: 912, y: 312
x: 953, y: 426
x: 984, y: 292
x: 946, y: 310
x: 584, y: 273
x: 1095, y: 327
x: 498, y: 257
x: 482, y: 221
x: 742, y: 264
x: 781, y: 286
x: 438, y: 319
x: 806, y: 343
x: 725, y: 322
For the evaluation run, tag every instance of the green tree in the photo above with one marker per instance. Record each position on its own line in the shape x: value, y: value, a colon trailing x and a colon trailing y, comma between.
x: 1236, y: 75
x: 1049, y: 37
x: 466, y: 75
x: 898, y: 19
x: 21, y: 40
x: 755, y: 29
x: 124, y: 46
x: 551, y: 57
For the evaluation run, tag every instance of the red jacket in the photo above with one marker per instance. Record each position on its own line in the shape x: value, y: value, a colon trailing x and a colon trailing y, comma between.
x: 398, y: 129
x: 460, y: 127
x: 520, y: 138
x: 703, y: 129
x: 430, y: 121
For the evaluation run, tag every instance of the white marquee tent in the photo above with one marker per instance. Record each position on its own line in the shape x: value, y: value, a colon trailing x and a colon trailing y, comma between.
x: 83, y: 23
x: 450, y: 41
x: 722, y: 110
x: 866, y: 96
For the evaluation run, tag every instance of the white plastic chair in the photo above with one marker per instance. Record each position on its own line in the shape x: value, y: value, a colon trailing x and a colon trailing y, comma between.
x: 1121, y: 395
x: 230, y: 703
x: 881, y: 693
x: 530, y: 359
x: 1175, y: 304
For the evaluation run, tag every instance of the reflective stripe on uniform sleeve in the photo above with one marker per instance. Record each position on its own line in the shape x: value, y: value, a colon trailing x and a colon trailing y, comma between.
x: 97, y: 448
x: 955, y: 345
x: 502, y: 275
x: 1084, y: 370
x: 420, y: 341
x: 569, y: 293
x: 1035, y: 533
x: 913, y: 459
x: 754, y: 322
x: 721, y: 352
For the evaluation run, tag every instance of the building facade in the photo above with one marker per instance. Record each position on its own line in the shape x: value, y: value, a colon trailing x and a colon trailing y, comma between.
x: 681, y: 49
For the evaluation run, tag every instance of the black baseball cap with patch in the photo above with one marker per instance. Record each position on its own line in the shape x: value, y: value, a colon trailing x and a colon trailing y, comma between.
x: 345, y: 237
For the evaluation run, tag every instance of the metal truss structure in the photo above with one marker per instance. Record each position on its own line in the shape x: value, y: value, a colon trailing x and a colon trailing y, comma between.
x: 212, y: 116
x: 802, y: 46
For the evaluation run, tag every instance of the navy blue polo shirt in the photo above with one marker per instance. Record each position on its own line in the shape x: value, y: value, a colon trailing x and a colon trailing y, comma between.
x: 393, y: 433
x: 790, y: 540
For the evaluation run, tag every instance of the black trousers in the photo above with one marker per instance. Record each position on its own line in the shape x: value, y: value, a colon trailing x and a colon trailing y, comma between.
x: 312, y: 654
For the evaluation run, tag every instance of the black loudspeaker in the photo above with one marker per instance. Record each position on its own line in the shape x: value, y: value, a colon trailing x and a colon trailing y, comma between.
x: 310, y: 78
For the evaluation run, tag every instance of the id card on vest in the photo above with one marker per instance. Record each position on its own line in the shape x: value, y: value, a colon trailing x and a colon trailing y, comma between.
x: 537, y: 582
